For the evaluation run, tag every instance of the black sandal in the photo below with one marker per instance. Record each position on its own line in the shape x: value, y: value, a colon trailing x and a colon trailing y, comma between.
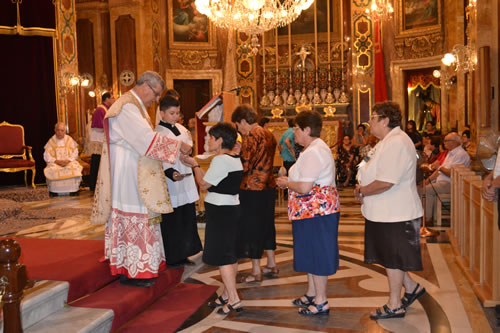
x: 408, y: 298
x: 319, y: 308
x: 389, y: 313
x: 231, y: 308
x: 300, y: 302
x: 214, y: 304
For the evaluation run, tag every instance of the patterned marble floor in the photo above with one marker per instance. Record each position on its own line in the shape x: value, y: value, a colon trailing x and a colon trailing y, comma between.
x: 355, y: 290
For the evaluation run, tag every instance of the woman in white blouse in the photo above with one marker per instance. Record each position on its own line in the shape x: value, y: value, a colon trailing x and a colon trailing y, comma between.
x: 391, y: 206
x: 313, y: 207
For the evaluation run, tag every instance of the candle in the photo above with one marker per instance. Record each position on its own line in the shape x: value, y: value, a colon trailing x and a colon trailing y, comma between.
x: 264, y: 51
x: 276, y: 39
x: 290, y: 47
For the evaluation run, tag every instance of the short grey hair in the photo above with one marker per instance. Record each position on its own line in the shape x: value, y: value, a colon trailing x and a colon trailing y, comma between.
x: 63, y: 124
x: 455, y: 137
x: 152, y: 78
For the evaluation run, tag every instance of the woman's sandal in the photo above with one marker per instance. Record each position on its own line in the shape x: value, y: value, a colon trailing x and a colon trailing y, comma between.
x: 320, y: 310
x: 250, y: 278
x: 300, y: 302
x: 408, y: 298
x: 270, y: 271
x: 214, y: 304
x: 231, y: 308
x: 389, y: 313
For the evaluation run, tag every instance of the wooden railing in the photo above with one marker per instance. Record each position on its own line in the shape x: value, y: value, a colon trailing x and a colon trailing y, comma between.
x: 474, y: 235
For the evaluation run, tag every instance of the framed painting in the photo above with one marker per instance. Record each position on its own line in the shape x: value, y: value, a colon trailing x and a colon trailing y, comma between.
x: 187, y: 27
x: 415, y: 17
x: 302, y: 28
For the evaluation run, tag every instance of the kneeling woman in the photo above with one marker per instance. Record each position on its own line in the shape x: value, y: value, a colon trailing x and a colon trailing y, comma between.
x: 313, y: 207
x: 222, y: 206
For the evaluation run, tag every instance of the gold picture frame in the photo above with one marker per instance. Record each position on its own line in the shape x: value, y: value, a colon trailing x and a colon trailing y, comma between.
x: 187, y: 28
x: 417, y: 17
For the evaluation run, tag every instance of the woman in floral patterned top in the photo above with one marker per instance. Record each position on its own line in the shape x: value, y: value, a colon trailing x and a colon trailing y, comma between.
x: 313, y: 207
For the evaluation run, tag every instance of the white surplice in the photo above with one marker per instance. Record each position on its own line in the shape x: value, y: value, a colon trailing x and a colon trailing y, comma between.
x: 133, y: 246
x: 183, y: 191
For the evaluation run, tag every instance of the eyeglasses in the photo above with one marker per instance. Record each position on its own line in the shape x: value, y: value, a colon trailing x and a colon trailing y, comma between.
x: 157, y: 94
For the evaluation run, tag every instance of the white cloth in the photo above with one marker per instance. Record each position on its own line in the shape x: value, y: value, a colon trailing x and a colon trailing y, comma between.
x: 392, y: 160
x: 133, y: 246
x: 220, y: 167
x: 58, y: 150
x: 184, y: 191
x: 315, y: 164
x: 455, y: 157
x: 496, y: 170
x: 64, y: 185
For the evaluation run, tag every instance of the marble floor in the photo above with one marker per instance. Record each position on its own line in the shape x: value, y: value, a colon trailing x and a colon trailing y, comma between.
x: 356, y: 289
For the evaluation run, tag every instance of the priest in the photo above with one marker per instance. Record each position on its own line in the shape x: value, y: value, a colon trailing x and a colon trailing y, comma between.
x: 131, y: 191
x: 63, y: 172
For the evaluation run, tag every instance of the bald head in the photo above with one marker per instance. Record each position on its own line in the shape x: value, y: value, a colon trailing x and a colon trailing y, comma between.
x: 60, y: 130
x: 452, y: 140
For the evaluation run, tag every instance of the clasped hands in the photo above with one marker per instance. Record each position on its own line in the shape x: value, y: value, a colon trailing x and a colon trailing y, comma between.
x: 488, y: 191
x: 62, y: 163
x: 357, y: 193
x: 282, y: 182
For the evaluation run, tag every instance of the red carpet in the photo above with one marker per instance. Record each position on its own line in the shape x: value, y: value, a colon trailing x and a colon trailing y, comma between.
x: 74, y: 261
x: 126, y: 301
x: 170, y: 311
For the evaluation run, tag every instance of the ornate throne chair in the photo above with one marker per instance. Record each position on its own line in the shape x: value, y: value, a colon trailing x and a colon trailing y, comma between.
x: 13, y: 151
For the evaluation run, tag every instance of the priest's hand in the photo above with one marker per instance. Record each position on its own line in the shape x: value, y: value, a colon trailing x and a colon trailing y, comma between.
x: 62, y: 163
x: 188, y: 160
x: 185, y: 148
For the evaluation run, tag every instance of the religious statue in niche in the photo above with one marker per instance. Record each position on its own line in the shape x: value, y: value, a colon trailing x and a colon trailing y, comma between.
x: 189, y: 24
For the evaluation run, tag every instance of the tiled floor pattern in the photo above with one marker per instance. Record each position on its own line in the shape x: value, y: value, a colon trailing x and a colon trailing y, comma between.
x: 353, y: 291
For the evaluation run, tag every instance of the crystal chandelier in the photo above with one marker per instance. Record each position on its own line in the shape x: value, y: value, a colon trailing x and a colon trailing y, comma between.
x: 380, y: 9
x: 462, y: 58
x: 252, y: 16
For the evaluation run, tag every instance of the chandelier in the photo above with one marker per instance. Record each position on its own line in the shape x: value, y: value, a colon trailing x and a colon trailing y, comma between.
x: 380, y: 9
x: 252, y: 16
x: 462, y: 58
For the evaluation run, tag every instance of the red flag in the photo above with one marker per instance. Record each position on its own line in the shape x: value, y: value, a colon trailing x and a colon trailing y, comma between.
x: 380, y: 83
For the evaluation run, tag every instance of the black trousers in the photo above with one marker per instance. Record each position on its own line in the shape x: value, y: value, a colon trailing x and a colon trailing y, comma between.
x: 94, y: 170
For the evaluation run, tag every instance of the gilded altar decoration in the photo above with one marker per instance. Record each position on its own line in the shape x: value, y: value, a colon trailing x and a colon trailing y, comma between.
x: 329, y: 111
x: 277, y: 112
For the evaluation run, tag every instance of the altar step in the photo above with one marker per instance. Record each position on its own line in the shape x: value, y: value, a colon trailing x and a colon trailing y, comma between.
x: 44, y: 309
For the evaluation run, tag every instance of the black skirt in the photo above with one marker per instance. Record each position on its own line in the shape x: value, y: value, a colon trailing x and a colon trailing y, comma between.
x: 257, y: 232
x: 221, y: 234
x: 179, y: 231
x: 394, y: 245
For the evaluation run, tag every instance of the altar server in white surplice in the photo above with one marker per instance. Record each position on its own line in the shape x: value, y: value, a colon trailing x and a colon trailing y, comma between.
x: 179, y: 228
x: 131, y: 192
x: 63, y: 172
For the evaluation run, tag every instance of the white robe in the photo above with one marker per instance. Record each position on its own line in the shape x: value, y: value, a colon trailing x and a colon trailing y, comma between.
x: 133, y: 246
x: 184, y: 191
x: 62, y: 179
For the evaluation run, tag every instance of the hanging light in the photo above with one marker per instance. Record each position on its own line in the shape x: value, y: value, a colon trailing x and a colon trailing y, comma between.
x: 252, y: 16
x: 380, y: 9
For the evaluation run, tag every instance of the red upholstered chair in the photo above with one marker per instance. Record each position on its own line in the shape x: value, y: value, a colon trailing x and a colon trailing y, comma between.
x: 13, y: 151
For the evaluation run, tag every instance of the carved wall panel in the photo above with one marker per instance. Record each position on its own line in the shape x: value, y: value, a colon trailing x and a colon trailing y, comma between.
x: 192, y: 60
x: 125, y: 50
x: 419, y: 46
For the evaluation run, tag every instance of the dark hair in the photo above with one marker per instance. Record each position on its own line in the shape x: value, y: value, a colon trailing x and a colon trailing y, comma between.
x: 311, y: 119
x: 173, y: 93
x: 425, y: 135
x: 227, y: 132
x: 246, y: 112
x: 105, y: 96
x: 389, y: 110
x: 436, y: 141
x: 343, y: 137
x: 362, y: 126
x: 263, y: 121
x: 168, y: 102
x: 291, y: 122
x: 467, y: 134
x: 430, y: 122
x: 412, y: 122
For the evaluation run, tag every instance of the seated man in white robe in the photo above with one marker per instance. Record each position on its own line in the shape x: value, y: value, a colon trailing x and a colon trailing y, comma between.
x: 63, y: 172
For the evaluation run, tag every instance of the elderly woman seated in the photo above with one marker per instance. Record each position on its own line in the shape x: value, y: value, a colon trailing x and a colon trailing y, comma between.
x: 63, y: 172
